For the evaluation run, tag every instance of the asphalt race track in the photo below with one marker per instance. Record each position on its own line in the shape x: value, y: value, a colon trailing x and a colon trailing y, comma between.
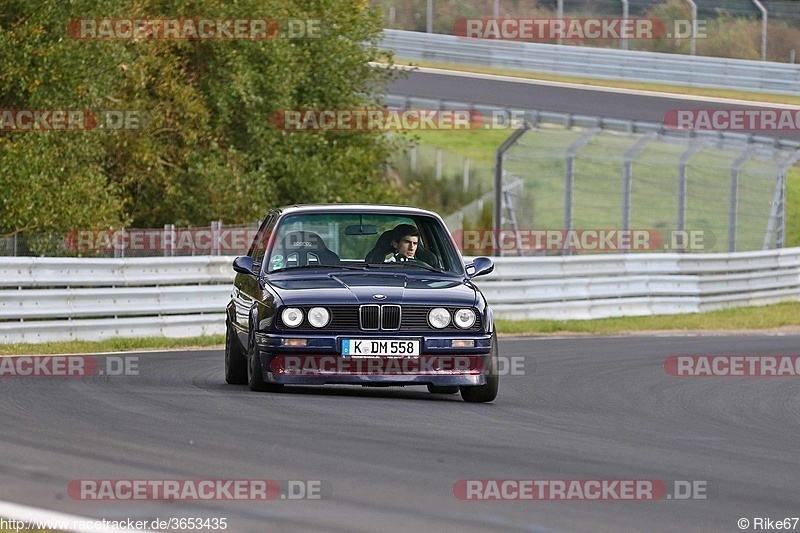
x: 531, y: 94
x: 582, y: 408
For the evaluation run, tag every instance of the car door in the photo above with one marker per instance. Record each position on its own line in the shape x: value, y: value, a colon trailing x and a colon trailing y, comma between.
x: 246, y: 287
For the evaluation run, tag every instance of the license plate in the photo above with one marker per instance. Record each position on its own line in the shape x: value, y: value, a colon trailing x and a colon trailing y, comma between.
x: 380, y: 347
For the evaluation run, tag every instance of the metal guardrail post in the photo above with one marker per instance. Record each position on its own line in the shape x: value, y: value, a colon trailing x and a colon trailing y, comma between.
x: 560, y: 17
x: 764, y: 17
x: 734, y: 202
x: 694, y: 27
x: 682, y: 180
x: 777, y: 216
x: 119, y: 247
x: 169, y: 240
x: 216, y: 226
x: 465, y: 179
x: 429, y: 17
x: 498, y: 176
x: 627, y: 177
x: 624, y: 40
x: 569, y: 176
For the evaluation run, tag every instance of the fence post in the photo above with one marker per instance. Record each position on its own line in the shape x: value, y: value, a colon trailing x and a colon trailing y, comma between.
x: 560, y: 7
x: 682, y: 181
x: 627, y: 178
x: 764, y: 17
x: 413, y: 160
x: 624, y: 40
x: 498, y: 178
x: 119, y: 251
x: 569, y: 177
x: 169, y: 240
x: 429, y: 17
x: 694, y: 27
x: 465, y: 183
x: 216, y: 226
x: 734, y: 197
x: 777, y: 216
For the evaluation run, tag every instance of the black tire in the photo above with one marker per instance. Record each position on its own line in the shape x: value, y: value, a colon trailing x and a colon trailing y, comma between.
x: 235, y: 360
x: 443, y: 389
x: 255, y: 374
x: 485, y: 393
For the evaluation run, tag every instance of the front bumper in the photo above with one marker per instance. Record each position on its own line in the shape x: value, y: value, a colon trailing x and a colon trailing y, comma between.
x: 321, y: 362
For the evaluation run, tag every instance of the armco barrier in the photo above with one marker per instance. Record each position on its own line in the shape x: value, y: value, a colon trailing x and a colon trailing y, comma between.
x: 604, y: 63
x: 584, y: 287
x: 46, y: 299
x: 56, y: 299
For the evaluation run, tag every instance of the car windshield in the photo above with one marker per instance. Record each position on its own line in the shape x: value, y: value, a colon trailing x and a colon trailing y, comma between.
x: 363, y: 241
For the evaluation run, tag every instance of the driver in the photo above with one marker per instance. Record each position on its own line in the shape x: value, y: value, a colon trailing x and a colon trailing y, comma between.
x: 405, y: 241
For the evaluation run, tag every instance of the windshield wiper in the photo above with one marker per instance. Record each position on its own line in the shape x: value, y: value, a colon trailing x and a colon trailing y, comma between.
x: 419, y: 264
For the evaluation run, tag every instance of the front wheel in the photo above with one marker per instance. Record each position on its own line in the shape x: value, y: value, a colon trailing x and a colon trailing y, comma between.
x: 488, y: 392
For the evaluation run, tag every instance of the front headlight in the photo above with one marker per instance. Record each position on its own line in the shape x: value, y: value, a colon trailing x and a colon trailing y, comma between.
x: 439, y: 317
x: 292, y: 316
x: 319, y: 317
x: 464, y: 318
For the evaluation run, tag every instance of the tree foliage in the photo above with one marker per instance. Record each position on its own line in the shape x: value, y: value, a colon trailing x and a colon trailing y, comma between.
x: 207, y: 149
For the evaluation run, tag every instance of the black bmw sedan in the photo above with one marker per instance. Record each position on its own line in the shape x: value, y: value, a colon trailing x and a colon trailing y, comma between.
x: 362, y: 295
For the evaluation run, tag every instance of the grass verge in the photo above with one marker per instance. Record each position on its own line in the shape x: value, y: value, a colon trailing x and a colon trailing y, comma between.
x: 596, y: 82
x: 111, y: 345
x: 735, y: 319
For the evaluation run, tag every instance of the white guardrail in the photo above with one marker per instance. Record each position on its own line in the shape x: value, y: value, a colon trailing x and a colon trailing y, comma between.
x: 604, y: 63
x: 51, y: 299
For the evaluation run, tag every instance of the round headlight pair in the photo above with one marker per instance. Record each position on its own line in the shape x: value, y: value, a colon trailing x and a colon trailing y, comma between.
x: 317, y: 317
x: 439, y: 318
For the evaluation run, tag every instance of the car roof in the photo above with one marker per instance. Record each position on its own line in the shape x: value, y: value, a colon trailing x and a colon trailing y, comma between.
x: 355, y: 208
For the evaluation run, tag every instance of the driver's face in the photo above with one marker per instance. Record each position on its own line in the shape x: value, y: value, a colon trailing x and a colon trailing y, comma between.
x: 407, y: 246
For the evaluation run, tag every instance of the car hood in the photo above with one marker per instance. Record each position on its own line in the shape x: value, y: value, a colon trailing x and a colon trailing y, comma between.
x: 360, y: 288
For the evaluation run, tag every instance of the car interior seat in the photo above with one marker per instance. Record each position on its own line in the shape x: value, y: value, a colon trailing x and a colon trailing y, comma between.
x: 301, y: 248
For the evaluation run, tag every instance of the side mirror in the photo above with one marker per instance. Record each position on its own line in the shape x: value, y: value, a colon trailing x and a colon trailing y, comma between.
x: 245, y: 265
x: 479, y: 267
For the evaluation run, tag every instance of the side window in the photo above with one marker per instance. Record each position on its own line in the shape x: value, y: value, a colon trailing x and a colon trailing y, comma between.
x: 259, y: 246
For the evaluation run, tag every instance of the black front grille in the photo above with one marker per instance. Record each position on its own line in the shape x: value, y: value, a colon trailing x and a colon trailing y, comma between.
x: 390, y: 317
x: 370, y: 317
x: 374, y: 317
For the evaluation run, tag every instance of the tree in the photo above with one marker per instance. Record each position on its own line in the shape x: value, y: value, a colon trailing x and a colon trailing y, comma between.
x: 207, y: 149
